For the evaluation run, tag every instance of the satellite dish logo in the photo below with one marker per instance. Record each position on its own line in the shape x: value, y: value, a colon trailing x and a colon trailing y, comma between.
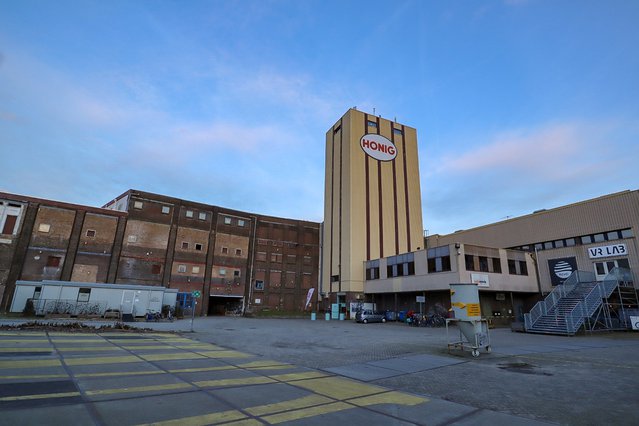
x: 563, y: 269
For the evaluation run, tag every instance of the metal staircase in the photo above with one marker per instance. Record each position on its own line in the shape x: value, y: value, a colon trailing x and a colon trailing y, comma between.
x: 572, y: 305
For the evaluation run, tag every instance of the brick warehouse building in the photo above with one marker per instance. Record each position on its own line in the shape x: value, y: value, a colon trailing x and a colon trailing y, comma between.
x: 237, y: 260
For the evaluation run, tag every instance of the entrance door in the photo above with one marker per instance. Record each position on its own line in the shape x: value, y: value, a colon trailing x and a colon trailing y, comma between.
x: 128, y: 297
x: 603, y: 268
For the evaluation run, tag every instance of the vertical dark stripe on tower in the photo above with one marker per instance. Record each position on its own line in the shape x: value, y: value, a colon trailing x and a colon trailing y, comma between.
x: 341, y: 180
x: 368, y: 198
x: 380, y: 203
x: 406, y: 188
x: 330, y: 259
x: 395, y: 192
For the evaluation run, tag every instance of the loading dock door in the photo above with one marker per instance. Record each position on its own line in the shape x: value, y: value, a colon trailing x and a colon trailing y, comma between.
x: 223, y: 304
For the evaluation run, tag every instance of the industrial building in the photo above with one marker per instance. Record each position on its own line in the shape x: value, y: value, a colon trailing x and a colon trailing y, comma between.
x: 238, y: 261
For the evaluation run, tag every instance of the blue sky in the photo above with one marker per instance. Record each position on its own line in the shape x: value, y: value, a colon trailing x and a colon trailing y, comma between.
x: 519, y: 105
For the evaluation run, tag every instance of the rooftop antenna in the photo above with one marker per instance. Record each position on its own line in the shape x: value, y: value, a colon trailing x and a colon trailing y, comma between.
x: 395, y: 119
x: 373, y: 111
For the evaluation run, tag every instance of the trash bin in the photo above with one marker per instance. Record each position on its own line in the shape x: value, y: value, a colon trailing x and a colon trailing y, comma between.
x: 402, y: 316
x: 390, y: 316
x: 313, y: 316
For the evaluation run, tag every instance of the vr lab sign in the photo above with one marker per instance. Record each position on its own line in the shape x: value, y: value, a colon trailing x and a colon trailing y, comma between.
x: 607, y: 251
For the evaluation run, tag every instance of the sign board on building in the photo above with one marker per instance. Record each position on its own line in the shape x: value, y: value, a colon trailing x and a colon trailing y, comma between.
x: 481, y: 280
x: 560, y: 269
x: 607, y: 251
x: 378, y: 147
x: 421, y: 299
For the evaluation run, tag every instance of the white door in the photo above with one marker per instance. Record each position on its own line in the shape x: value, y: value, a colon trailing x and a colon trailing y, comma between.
x: 128, y: 297
x: 603, y: 268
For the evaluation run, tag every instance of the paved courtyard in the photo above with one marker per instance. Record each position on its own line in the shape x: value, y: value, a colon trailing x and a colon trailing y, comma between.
x: 269, y: 371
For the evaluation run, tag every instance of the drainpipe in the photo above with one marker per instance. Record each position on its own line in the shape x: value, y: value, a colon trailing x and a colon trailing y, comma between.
x: 247, y: 305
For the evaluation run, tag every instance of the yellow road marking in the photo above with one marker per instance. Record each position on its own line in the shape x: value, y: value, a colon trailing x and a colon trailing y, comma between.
x: 24, y: 341
x: 307, y: 412
x: 173, y: 356
x: 389, y: 398
x: 295, y: 404
x: 26, y: 334
x: 298, y: 376
x: 120, y: 373
x: 30, y: 363
x: 151, y: 388
x: 88, y: 348
x: 224, y: 354
x: 82, y: 341
x: 339, y: 388
x: 256, y: 364
x: 102, y: 360
x: 200, y: 346
x: 201, y: 369
x: 246, y: 422
x: 23, y: 349
x: 232, y: 382
x: 39, y: 396
x: 274, y: 367
x: 34, y: 376
x: 206, y: 419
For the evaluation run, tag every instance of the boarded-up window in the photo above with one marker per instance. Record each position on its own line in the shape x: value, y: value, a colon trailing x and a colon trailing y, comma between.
x: 9, y: 224
x: 290, y: 280
x: 275, y: 278
x: 260, y: 256
x: 155, y: 269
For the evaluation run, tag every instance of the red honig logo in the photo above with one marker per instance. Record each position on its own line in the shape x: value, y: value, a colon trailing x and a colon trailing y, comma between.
x: 378, y: 147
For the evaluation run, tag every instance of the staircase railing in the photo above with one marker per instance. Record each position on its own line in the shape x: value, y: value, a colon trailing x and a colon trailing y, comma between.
x: 575, y: 318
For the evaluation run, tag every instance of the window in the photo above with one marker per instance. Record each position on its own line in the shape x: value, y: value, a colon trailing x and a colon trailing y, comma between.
x: 483, y: 264
x: 586, y: 239
x: 223, y: 271
x: 240, y: 222
x: 548, y: 245
x: 470, y: 262
x: 132, y: 238
x: 227, y: 220
x: 438, y: 259
x: 308, y: 260
x: 44, y: 227
x: 53, y: 261
x: 185, y: 246
x: 202, y: 216
x: 334, y: 278
x: 539, y: 246
x: 198, y: 246
x: 400, y: 265
x: 225, y: 250
x: 238, y: 252
x: 570, y: 242
x: 91, y: 233
x: 259, y: 285
x: 84, y: 294
x: 156, y: 269
x: 559, y: 243
x: 371, y: 123
x: 397, y: 131
x: 291, y: 258
x: 626, y: 233
x: 260, y: 256
x: 9, y: 224
x: 276, y: 257
x: 137, y: 205
x: 512, y: 268
x: 189, y: 213
x: 599, y: 238
x: 496, y: 265
x: 166, y: 209
x: 517, y: 267
x: 195, y: 270
x: 523, y: 269
x: 236, y: 273
x: 614, y: 235
x: 372, y: 270
x: 181, y: 269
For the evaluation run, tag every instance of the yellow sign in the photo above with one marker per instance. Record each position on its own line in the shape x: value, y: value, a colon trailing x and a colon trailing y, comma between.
x: 460, y: 305
x: 473, y: 310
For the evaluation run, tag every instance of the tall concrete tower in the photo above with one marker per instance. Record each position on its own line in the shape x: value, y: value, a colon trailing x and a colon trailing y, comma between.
x: 372, y: 199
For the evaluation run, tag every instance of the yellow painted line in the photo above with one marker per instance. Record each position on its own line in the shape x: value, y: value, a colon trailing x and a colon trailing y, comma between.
x: 274, y: 367
x: 102, y: 360
x: 3, y: 341
x: 298, y: 376
x: 307, y: 412
x: 34, y: 376
x: 202, y: 369
x: 256, y: 364
x: 120, y: 373
x: 153, y: 347
x: 206, y: 419
x: 339, y: 388
x: 245, y: 422
x: 88, y: 348
x: 233, y: 382
x: 39, y: 396
x: 30, y: 363
x: 389, y: 398
x: 23, y: 349
x: 224, y: 354
x: 27, y: 334
x: 294, y: 404
x: 82, y: 341
x: 201, y: 346
x: 173, y: 356
x: 171, y: 386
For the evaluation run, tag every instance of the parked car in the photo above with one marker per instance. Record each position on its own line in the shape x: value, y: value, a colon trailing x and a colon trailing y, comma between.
x: 367, y: 316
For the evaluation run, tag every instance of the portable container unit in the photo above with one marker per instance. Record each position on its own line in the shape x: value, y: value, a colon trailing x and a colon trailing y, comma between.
x: 473, y: 330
